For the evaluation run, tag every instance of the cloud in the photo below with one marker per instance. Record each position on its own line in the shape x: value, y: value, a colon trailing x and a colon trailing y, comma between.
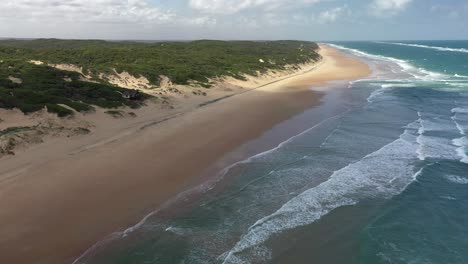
x: 388, y: 7
x: 199, y: 21
x: 100, y: 11
x: 235, y: 6
x: 332, y: 15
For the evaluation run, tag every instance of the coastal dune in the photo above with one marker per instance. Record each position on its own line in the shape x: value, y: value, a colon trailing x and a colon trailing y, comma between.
x: 78, y: 191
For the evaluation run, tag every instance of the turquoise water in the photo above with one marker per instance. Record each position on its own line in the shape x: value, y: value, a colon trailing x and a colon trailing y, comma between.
x: 381, y: 177
x: 427, y: 223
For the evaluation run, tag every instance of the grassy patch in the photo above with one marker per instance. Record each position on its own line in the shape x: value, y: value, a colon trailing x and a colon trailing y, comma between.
x: 115, y: 113
x: 9, y: 147
x: 13, y: 130
x: 45, y: 86
x: 81, y: 131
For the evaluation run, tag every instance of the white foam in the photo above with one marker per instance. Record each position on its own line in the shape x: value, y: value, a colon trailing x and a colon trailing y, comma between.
x: 433, y: 146
x: 428, y: 47
x: 372, y: 97
x: 397, y: 85
x: 461, y: 152
x: 437, y: 148
x: 460, y: 110
x: 462, y: 144
x: 456, y: 179
x: 460, y: 76
x: 387, y: 86
x: 448, y: 198
x: 457, y: 84
x: 176, y: 230
x: 437, y: 124
x: 459, y: 127
x: 421, y: 131
x: 282, y: 144
x: 382, y: 174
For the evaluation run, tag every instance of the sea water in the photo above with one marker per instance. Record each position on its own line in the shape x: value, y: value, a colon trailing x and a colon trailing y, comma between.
x: 384, y: 179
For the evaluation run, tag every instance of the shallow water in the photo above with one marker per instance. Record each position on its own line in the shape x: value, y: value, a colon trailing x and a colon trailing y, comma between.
x: 380, y: 179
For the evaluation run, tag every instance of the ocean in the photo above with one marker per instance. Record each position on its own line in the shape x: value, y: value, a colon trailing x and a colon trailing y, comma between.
x: 378, y: 174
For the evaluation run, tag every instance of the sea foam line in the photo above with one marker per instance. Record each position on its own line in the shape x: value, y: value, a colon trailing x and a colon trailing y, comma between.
x: 462, y: 142
x: 372, y: 176
x: 459, y: 127
x: 421, y: 131
x: 427, y: 47
x: 386, y: 87
x: 282, y: 144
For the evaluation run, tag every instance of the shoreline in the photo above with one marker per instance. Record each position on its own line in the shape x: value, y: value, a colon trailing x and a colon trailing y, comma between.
x: 91, y: 181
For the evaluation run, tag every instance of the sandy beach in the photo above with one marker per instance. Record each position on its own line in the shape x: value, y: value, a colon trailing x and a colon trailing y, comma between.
x: 60, y: 197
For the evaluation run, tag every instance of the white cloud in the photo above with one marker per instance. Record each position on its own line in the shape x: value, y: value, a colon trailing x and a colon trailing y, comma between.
x: 102, y: 11
x: 332, y: 15
x: 388, y: 7
x: 199, y: 21
x: 234, y: 6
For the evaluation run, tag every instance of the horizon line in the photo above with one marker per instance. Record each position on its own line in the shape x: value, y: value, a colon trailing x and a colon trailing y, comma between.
x: 214, y: 39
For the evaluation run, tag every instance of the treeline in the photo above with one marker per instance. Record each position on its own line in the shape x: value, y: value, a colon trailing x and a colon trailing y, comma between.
x: 182, y: 62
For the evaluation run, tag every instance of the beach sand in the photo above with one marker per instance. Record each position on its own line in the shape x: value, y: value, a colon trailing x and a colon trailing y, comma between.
x: 59, y: 198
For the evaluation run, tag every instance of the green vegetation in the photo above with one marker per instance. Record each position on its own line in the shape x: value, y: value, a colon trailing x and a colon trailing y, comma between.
x: 81, y: 131
x: 183, y: 62
x: 180, y: 61
x: 12, y: 130
x: 115, y: 113
x: 43, y: 86
x: 8, y: 148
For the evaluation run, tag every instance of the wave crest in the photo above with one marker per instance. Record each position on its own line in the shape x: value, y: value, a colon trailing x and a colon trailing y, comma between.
x: 427, y: 47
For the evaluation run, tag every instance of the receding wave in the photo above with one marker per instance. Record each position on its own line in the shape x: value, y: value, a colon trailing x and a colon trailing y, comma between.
x: 382, y: 174
x: 427, y: 47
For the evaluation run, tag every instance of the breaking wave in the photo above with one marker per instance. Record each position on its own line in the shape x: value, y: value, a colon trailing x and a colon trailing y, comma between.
x: 418, y: 73
x: 365, y: 179
x: 427, y: 47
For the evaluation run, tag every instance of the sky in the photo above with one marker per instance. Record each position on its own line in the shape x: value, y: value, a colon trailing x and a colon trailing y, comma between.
x: 319, y: 20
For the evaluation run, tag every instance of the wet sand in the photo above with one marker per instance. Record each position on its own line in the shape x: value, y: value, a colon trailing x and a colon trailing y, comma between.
x: 59, y: 198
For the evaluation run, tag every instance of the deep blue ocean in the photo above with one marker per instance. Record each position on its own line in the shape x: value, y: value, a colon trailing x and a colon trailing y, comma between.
x: 381, y: 177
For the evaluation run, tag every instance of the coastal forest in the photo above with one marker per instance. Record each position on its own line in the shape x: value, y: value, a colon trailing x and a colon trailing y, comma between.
x: 32, y: 86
